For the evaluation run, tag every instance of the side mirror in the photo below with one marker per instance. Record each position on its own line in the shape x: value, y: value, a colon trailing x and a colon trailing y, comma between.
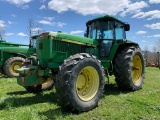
x: 127, y: 27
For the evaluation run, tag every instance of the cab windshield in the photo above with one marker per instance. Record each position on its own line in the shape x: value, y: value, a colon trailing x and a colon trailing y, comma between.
x: 105, y: 32
x: 102, y: 30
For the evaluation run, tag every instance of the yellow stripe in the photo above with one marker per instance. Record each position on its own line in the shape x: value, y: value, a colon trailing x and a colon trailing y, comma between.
x: 71, y: 41
x: 76, y: 42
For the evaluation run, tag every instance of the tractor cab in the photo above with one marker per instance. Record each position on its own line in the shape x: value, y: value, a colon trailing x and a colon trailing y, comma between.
x: 32, y: 43
x: 106, y: 30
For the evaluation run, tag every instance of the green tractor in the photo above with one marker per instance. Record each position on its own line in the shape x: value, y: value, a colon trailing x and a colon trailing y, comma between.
x: 48, y: 81
x: 78, y: 65
x: 12, y: 55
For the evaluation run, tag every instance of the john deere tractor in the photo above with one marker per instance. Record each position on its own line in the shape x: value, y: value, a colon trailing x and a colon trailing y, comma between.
x: 78, y: 65
x: 12, y: 55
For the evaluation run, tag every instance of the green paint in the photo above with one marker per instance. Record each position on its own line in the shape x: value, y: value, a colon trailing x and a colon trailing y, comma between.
x: 104, y: 37
x: 30, y: 74
x: 8, y: 50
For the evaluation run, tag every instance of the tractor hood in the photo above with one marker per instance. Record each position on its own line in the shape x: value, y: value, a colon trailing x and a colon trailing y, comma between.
x: 16, y: 50
x: 70, y: 38
x: 4, y: 43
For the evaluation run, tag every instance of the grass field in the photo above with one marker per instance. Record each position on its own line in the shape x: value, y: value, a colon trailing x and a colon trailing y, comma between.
x: 144, y: 104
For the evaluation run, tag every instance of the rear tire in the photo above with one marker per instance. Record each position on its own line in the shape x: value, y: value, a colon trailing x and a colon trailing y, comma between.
x: 11, y: 65
x: 129, y: 68
x: 80, y: 83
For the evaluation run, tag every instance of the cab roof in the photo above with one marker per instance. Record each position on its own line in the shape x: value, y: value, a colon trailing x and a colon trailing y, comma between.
x: 106, y: 17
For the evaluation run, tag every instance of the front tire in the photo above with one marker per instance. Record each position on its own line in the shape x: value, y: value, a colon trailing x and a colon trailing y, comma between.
x: 11, y: 65
x: 129, y: 68
x: 80, y: 83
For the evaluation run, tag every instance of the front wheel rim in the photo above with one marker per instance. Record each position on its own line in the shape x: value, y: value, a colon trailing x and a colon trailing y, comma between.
x: 87, y: 83
x: 15, y: 66
x: 46, y: 81
x: 136, y: 69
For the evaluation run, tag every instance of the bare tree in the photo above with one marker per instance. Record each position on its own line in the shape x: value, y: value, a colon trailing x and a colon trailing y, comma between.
x: 38, y: 29
x: 31, y: 24
x: 154, y: 49
x: 154, y: 58
x: 2, y: 33
x: 158, y: 45
x: 146, y: 55
x: 34, y: 28
x: 150, y: 57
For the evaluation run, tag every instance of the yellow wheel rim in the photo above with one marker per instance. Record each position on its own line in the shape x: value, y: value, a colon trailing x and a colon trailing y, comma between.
x: 15, y: 66
x: 136, y: 68
x: 87, y: 83
x: 46, y: 81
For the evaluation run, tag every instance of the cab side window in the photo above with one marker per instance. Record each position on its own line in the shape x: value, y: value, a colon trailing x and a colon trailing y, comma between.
x: 119, y: 30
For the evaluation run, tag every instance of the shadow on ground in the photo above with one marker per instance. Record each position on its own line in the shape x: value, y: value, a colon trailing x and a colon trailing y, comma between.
x: 113, y: 89
x: 16, y: 100
x: 17, y: 93
x: 53, y: 114
x: 110, y: 89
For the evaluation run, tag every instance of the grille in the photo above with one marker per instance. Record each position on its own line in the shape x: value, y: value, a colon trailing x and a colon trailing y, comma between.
x: 70, y: 48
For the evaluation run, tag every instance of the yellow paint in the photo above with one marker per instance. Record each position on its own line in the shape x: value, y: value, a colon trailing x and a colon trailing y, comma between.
x: 15, y: 66
x: 46, y: 81
x: 71, y: 41
x: 87, y: 83
x: 136, y: 70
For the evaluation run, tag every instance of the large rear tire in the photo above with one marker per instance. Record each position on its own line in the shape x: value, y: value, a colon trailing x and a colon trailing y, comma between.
x: 11, y: 65
x: 129, y: 68
x: 80, y: 83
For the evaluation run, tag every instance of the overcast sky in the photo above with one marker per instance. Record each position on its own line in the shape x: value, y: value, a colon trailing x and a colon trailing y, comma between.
x: 70, y: 16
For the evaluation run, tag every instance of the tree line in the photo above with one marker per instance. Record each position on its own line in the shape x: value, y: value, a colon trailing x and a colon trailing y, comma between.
x: 152, y: 57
